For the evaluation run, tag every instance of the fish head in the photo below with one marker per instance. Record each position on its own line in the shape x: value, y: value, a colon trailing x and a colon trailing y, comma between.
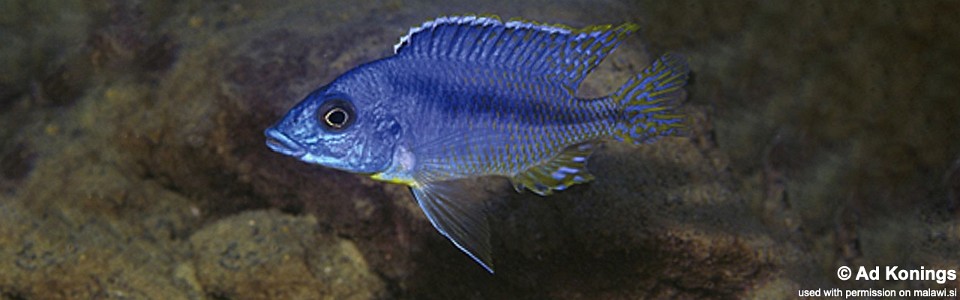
x: 346, y: 129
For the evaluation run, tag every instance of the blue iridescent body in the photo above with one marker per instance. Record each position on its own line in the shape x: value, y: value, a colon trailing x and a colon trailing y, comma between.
x: 470, y: 96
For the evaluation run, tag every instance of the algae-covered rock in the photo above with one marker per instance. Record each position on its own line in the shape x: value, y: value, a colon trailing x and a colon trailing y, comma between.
x: 268, y: 255
x: 54, y: 253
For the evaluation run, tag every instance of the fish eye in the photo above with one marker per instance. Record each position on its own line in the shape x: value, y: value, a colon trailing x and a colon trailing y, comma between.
x: 336, y: 114
x: 336, y: 117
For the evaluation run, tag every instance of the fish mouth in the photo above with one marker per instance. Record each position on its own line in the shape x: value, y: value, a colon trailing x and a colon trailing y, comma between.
x: 279, y: 142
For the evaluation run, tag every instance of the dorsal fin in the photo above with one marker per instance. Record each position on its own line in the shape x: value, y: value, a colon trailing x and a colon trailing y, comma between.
x: 564, y: 53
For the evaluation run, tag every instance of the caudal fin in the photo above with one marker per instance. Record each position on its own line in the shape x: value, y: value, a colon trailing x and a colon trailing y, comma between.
x: 650, y: 101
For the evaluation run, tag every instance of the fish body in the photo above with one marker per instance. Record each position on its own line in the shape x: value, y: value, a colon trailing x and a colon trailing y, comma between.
x: 465, y: 97
x: 475, y: 121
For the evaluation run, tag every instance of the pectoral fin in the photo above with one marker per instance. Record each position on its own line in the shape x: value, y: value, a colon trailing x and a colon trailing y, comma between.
x: 459, y: 215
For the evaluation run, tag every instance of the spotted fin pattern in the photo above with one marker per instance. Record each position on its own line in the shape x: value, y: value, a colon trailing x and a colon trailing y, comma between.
x: 651, y: 101
x: 568, y: 168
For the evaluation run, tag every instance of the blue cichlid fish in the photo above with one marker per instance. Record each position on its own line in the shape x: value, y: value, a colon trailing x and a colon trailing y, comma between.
x: 471, y: 96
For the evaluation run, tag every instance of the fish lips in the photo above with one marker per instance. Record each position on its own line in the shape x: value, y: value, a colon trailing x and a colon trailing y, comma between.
x: 279, y: 142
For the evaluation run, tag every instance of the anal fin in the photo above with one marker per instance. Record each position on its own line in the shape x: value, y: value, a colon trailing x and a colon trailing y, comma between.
x: 459, y: 214
x: 568, y: 168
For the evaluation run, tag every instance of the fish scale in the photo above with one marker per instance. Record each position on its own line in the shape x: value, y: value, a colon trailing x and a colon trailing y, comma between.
x: 471, y: 96
x: 512, y: 118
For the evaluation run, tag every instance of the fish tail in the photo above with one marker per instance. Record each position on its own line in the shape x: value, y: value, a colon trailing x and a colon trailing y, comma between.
x: 649, y: 103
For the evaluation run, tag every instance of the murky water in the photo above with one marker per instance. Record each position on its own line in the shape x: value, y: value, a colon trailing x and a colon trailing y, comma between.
x: 823, y: 134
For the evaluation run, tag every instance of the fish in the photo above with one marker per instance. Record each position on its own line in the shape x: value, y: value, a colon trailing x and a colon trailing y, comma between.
x: 472, y: 96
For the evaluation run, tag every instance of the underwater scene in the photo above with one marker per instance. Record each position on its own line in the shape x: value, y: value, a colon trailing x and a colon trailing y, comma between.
x: 427, y: 149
